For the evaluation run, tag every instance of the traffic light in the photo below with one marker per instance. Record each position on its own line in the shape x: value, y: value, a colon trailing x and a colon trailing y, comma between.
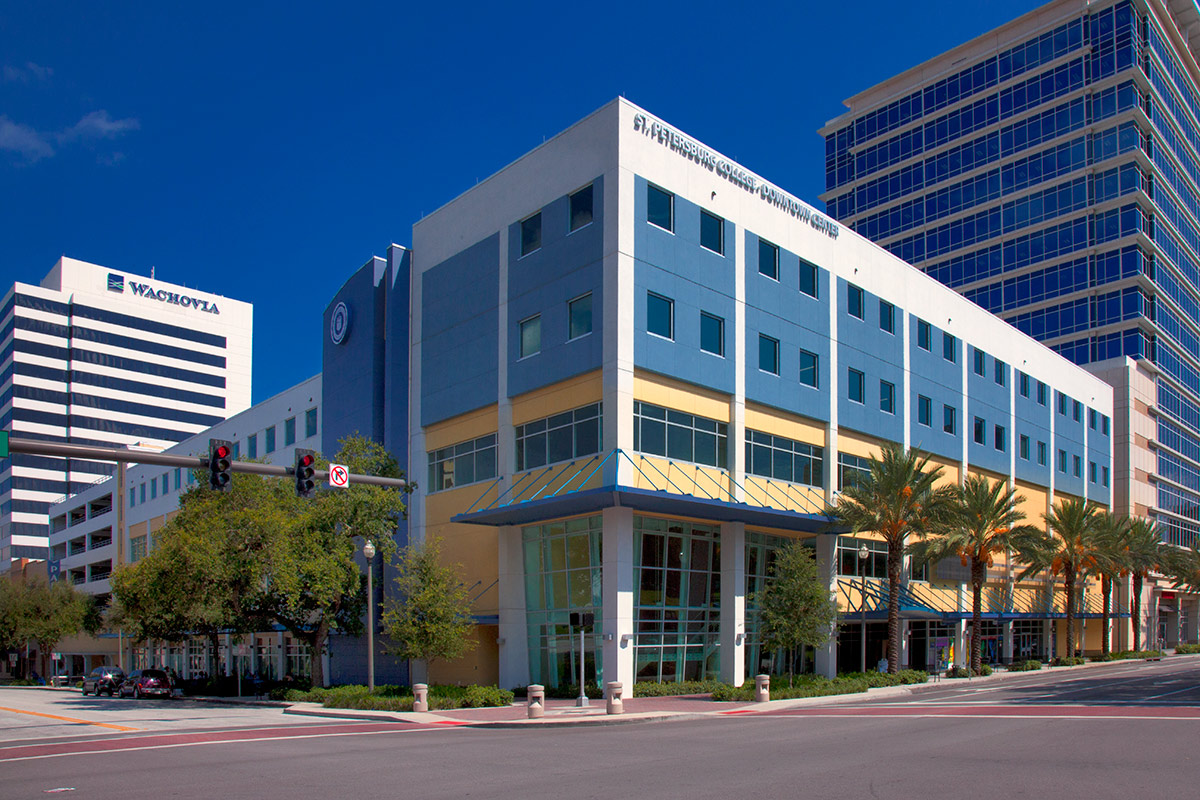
x: 220, y: 465
x: 305, y: 472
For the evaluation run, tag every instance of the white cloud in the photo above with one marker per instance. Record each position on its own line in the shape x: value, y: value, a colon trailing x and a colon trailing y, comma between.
x: 33, y: 145
x: 98, y: 125
x: 23, y: 140
x: 26, y: 74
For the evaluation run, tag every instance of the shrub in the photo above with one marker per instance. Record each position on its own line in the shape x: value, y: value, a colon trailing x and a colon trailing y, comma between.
x: 1025, y: 666
x: 803, y: 686
x: 400, y: 698
x: 1067, y: 661
x: 958, y: 672
x: 1180, y: 650
x: 652, y: 689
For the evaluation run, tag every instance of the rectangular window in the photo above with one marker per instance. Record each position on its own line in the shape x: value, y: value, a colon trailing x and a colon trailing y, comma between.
x: 1062, y: 461
x: 289, y: 431
x: 270, y: 440
x: 1077, y: 466
x: 783, y: 459
x: 178, y: 478
x: 683, y: 437
x: 660, y: 315
x: 1062, y: 404
x: 1041, y: 394
x: 142, y: 494
x: 712, y: 334
x: 562, y: 437
x: 1092, y: 420
x: 949, y: 348
x: 237, y: 450
x: 310, y: 423
x: 887, y: 397
x: 1000, y: 437
x: 579, y: 316
x: 768, y: 354
x: 1092, y: 471
x: 1000, y: 372
x: 950, y: 420
x: 153, y: 489
x: 980, y: 362
x: 581, y: 208
x: 1024, y: 447
x: 252, y: 445
x: 851, y: 469
x: 132, y: 497
x: 1104, y: 424
x: 854, y: 301
x: 531, y: 336
x: 887, y: 316
x: 980, y: 431
x: 462, y: 463
x: 1104, y: 475
x: 1042, y: 453
x: 808, y: 278
x: 924, y: 410
x: 768, y: 259
x: 1076, y: 411
x: 1024, y: 385
x: 855, y: 385
x: 531, y: 234
x: 808, y: 368
x: 660, y: 207
x: 712, y: 232
x: 924, y: 334
x: 166, y: 482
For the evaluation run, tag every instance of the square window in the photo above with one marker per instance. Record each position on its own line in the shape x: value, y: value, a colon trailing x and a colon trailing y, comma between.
x: 980, y: 431
x: 579, y: 316
x: 768, y: 354
x: 1000, y: 437
x: 1000, y: 372
x: 1024, y: 385
x: 581, y: 208
x: 854, y: 301
x: 712, y: 232
x: 923, y: 334
x: 808, y: 278
x: 950, y: 420
x: 1076, y: 466
x: 531, y: 234
x: 712, y: 334
x: 1025, y: 447
x: 887, y: 316
x: 808, y: 368
x: 949, y: 348
x: 531, y: 336
x: 768, y: 259
x: 855, y: 385
x: 660, y: 207
x: 924, y: 410
x: 289, y: 431
x: 1041, y: 398
x: 310, y: 423
x: 980, y: 362
x: 887, y: 397
x: 660, y: 315
x: 1042, y: 453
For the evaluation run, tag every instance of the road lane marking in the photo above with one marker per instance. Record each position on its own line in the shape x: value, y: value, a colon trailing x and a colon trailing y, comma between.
x: 1188, y: 688
x: 69, y: 719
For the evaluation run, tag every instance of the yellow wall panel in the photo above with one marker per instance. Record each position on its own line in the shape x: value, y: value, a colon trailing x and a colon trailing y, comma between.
x: 480, y: 665
x: 564, y: 396
x: 680, y: 396
x: 857, y: 445
x: 462, y: 428
x: 779, y: 423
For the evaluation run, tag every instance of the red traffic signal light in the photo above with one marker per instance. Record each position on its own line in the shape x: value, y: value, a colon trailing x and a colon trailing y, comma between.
x: 220, y: 467
x: 305, y: 472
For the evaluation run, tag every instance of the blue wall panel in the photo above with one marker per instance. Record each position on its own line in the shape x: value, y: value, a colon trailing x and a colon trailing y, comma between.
x: 931, y: 375
x: 989, y: 401
x: 353, y: 383
x: 1033, y: 420
x: 1068, y: 436
x: 864, y: 346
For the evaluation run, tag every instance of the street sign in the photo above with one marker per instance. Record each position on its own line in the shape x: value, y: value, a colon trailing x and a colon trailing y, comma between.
x: 56, y: 656
x: 3, y: 444
x: 339, y: 476
x: 13, y: 658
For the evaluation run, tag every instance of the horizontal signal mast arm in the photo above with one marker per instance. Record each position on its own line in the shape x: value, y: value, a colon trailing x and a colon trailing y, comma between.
x: 42, y: 448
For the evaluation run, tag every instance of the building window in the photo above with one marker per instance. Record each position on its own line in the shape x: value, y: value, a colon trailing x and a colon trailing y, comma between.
x: 1041, y: 398
x: 531, y: 234
x: 463, y: 463
x: 153, y: 489
x: 660, y: 207
x: 980, y: 431
x: 1104, y: 475
x: 950, y: 420
x: 808, y: 369
x: 252, y: 445
x: 132, y: 497
x: 579, y: 316
x: 1024, y: 385
x: 178, y: 478
x: 665, y: 432
x: 660, y: 315
x: 237, y: 450
x: 854, y: 301
x: 1042, y: 453
x: 949, y: 348
x: 784, y: 459
x: 1062, y: 404
x: 712, y: 334
x: 1076, y: 466
x: 887, y: 316
x: 1062, y: 461
x: 1024, y: 447
x: 581, y: 208
x: 887, y: 397
x: 1092, y: 420
x: 310, y: 423
x: 1092, y: 471
x: 924, y: 410
x: 531, y: 336
x: 1104, y: 424
x: 980, y: 362
x: 851, y: 469
x: 1000, y: 372
x: 166, y: 483
x: 768, y: 354
x: 808, y: 278
x: 712, y: 232
x: 873, y: 566
x: 924, y: 334
x: 768, y: 259
x: 270, y: 440
x: 289, y: 431
x: 1076, y: 410
x: 1000, y: 437
x: 855, y: 385
x: 561, y: 437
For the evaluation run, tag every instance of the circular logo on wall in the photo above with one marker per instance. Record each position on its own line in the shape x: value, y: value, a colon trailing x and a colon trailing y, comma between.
x: 339, y: 323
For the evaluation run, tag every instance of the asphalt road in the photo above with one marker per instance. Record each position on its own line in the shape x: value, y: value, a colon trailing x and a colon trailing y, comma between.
x: 1121, y: 731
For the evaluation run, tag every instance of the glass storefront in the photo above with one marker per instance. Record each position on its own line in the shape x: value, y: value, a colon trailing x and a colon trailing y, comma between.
x: 760, y: 556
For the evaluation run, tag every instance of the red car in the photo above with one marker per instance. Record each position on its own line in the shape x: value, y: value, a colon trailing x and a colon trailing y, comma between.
x: 146, y: 683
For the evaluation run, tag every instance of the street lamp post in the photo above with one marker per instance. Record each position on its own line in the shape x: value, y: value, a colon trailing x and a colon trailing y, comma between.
x: 369, y: 552
x: 863, y: 553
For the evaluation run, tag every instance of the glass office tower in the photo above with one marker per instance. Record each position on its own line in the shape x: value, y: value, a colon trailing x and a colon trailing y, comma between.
x: 1049, y: 171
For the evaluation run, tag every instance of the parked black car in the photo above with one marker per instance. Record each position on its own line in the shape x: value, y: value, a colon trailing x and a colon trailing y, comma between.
x: 103, y: 680
x: 146, y: 683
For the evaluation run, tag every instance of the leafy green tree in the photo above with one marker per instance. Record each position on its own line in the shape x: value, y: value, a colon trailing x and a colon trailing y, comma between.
x: 1144, y: 552
x: 795, y: 605
x: 897, y: 499
x: 12, y: 614
x: 430, y: 619
x: 985, y: 524
x: 51, y: 612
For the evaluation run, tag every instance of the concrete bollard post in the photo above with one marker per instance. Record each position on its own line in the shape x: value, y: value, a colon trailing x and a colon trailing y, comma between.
x: 537, y: 701
x: 616, y: 703
x: 762, y: 688
x: 420, y: 697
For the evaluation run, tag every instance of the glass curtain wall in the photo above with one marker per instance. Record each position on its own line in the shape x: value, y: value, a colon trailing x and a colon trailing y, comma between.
x: 761, y: 549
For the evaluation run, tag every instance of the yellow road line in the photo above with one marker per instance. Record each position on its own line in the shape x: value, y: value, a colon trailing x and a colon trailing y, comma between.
x: 69, y: 719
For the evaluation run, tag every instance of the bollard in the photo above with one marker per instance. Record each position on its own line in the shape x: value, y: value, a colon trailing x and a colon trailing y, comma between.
x: 537, y: 701
x: 420, y: 697
x: 762, y: 688
x: 616, y: 704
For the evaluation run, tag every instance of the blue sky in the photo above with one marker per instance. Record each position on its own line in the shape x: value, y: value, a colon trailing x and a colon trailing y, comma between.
x: 265, y: 151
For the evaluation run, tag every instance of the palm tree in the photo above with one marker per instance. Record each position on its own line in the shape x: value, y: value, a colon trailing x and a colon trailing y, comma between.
x: 896, y: 499
x: 1111, y: 563
x: 1145, y: 551
x: 986, y: 523
x: 1071, y: 551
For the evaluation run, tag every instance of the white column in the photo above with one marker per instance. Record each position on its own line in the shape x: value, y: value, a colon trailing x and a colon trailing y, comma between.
x: 617, y: 591
x: 827, y: 564
x: 962, y: 644
x: 1007, y: 632
x: 513, y: 641
x: 733, y: 602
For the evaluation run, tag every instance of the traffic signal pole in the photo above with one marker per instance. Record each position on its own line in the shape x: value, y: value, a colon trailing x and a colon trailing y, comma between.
x: 38, y: 447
